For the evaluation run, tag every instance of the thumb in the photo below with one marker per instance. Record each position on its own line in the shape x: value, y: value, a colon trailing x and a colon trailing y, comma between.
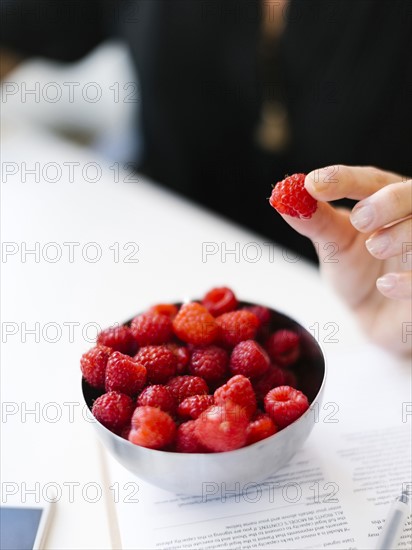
x: 328, y: 228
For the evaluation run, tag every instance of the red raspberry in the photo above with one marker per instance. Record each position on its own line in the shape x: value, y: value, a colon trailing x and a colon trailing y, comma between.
x: 285, y: 404
x: 93, y: 365
x: 283, y: 347
x: 249, y: 359
x: 290, y: 379
x: 192, y: 407
x: 126, y: 431
x: 150, y: 329
x: 158, y: 396
x: 272, y: 378
x: 187, y: 440
x: 165, y: 309
x: 236, y: 326
x: 160, y: 363
x: 124, y: 375
x: 113, y: 410
x: 186, y: 386
x: 222, y: 427
x: 194, y: 325
x: 260, y: 427
x: 152, y: 428
x: 264, y: 315
x: 118, y: 338
x: 210, y: 363
x: 220, y: 300
x: 239, y: 390
x: 182, y: 356
x: 289, y: 196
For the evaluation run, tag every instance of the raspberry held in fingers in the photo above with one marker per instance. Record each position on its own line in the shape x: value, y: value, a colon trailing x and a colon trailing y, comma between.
x: 290, y: 197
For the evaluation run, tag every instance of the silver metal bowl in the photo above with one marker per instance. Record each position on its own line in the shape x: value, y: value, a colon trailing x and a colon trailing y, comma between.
x: 196, y: 473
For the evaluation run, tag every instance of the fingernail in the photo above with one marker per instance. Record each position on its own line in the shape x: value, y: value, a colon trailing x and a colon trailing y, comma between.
x: 387, y: 282
x: 361, y: 217
x: 378, y: 244
x: 320, y: 178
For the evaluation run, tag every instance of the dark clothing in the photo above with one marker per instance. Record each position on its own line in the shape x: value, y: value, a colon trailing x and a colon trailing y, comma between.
x: 344, y: 72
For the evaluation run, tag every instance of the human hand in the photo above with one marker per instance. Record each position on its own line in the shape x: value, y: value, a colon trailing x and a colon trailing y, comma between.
x: 372, y: 267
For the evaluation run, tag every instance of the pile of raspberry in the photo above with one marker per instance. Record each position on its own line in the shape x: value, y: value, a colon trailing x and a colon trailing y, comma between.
x: 206, y: 376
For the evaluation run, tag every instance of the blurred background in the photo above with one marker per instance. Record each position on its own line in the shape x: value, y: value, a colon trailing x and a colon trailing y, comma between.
x: 218, y: 100
x: 59, y: 102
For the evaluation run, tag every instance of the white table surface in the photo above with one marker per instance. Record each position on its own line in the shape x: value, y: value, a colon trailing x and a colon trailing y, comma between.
x: 169, y: 233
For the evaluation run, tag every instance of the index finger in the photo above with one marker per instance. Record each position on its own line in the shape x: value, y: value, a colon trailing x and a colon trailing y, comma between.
x: 352, y: 182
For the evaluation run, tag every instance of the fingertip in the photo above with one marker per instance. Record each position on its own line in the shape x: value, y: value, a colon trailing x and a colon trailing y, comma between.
x: 386, y: 284
x: 379, y: 245
x: 325, y: 224
x: 310, y: 182
x: 319, y: 183
x: 395, y: 286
